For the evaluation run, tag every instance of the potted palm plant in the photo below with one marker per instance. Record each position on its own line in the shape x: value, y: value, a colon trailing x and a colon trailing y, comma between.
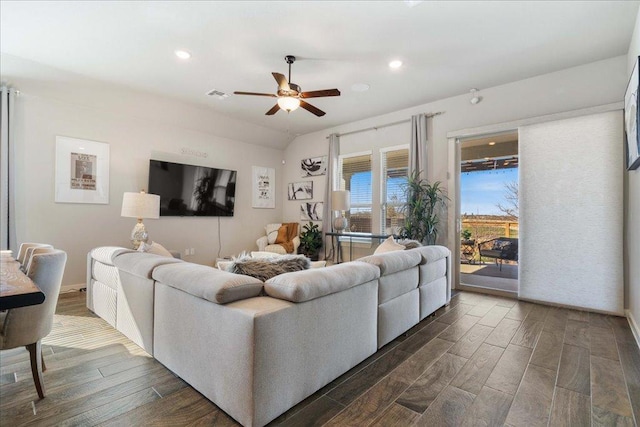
x: 310, y: 241
x: 425, y: 202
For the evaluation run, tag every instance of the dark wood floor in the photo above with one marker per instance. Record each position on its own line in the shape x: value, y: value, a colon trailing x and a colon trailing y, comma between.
x: 483, y: 360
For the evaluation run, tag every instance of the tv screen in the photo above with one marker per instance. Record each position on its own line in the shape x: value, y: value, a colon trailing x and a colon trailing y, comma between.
x: 187, y: 190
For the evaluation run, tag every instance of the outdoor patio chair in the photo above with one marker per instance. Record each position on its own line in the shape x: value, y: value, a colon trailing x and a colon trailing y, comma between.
x: 500, y: 248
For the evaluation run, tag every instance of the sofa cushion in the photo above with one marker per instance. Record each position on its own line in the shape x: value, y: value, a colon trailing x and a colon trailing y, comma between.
x: 208, y: 283
x: 105, y: 254
x: 392, y: 262
x: 432, y: 271
x: 306, y: 285
x: 141, y: 264
x: 432, y: 253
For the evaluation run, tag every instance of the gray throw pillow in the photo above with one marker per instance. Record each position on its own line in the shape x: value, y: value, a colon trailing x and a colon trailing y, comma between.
x: 409, y: 244
x: 264, y: 268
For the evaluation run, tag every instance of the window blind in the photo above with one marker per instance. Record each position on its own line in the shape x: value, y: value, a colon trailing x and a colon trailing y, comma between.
x: 355, y: 176
x: 395, y: 166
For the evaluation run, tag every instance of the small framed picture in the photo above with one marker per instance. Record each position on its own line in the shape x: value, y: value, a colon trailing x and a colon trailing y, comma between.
x: 314, y: 166
x: 631, y: 119
x: 311, y: 211
x: 300, y: 190
x: 82, y: 171
x: 264, y: 184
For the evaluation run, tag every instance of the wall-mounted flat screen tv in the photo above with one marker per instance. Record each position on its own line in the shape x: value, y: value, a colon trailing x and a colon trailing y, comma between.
x: 188, y: 190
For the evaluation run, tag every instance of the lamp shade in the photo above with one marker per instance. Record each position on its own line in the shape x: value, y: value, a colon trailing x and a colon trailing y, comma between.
x: 140, y: 205
x: 341, y: 200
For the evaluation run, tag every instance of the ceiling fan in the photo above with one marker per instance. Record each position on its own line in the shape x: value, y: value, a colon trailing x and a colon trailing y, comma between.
x: 290, y: 96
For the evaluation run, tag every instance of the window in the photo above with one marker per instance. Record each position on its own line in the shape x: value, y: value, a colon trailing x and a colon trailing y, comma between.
x: 394, y: 171
x: 355, y: 176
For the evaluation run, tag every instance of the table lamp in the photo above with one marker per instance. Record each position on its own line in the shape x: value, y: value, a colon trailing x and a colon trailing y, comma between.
x: 340, y: 201
x: 140, y: 205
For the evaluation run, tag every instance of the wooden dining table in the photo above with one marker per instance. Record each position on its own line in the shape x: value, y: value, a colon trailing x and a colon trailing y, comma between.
x: 16, y: 289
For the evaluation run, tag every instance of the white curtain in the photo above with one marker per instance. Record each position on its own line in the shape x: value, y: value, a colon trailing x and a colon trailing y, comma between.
x: 7, y: 170
x: 418, y: 147
x: 332, y: 184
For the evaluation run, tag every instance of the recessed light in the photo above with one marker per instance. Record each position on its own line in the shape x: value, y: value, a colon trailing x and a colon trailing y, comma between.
x: 395, y: 64
x: 182, y: 54
x: 360, y: 87
x: 492, y: 143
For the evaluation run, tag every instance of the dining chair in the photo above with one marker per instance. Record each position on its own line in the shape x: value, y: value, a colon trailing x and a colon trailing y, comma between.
x: 27, y: 326
x: 22, y: 252
x: 33, y: 251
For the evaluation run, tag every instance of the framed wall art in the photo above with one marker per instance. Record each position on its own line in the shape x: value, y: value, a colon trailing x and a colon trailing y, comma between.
x: 314, y: 166
x: 300, y: 190
x: 82, y: 171
x: 631, y: 119
x: 311, y: 211
x: 263, y: 187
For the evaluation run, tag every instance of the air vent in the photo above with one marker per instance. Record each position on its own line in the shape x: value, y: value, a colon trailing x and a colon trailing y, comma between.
x: 218, y: 94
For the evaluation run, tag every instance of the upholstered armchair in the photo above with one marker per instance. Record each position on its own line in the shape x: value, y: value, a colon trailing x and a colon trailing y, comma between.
x: 26, y: 326
x: 267, y: 243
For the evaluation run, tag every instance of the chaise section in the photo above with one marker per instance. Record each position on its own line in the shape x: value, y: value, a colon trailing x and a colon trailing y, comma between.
x: 135, y: 295
x: 398, y: 295
x: 255, y: 358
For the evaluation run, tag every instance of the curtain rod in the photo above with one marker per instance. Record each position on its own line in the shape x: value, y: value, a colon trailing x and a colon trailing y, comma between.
x: 427, y: 115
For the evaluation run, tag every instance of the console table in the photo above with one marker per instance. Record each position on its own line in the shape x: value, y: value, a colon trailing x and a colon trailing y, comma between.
x: 337, y: 236
x: 16, y: 289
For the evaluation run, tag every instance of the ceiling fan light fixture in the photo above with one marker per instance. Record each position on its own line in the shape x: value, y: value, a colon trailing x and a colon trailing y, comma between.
x: 288, y: 103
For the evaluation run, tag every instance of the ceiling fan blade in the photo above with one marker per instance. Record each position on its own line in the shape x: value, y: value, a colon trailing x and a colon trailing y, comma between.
x: 282, y: 81
x: 273, y: 110
x: 310, y: 108
x: 255, y: 94
x: 320, y: 93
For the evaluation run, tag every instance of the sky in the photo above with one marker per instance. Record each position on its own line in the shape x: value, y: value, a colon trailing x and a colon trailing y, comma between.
x: 481, y: 191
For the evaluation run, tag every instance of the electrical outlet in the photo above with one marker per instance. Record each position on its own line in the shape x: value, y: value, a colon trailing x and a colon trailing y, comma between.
x: 193, y: 251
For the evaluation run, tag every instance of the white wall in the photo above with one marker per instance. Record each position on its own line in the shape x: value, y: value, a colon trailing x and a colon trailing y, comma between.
x: 632, y: 220
x: 589, y: 85
x: 44, y: 110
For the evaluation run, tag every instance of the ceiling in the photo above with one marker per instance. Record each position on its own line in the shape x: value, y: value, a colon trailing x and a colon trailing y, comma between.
x: 446, y: 47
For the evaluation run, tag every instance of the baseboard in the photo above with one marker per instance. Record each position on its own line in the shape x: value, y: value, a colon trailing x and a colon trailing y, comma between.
x: 490, y: 291
x: 634, y: 326
x: 72, y: 288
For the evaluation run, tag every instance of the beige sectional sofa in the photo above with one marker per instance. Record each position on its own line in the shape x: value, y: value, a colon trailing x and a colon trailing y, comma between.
x: 256, y: 349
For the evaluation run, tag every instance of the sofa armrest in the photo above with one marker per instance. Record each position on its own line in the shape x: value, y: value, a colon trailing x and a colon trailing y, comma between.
x: 296, y: 244
x: 263, y: 242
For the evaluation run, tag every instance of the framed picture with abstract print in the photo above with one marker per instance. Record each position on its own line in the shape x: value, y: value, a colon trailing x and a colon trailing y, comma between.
x: 631, y: 119
x: 300, y: 190
x: 314, y: 166
x: 311, y: 211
